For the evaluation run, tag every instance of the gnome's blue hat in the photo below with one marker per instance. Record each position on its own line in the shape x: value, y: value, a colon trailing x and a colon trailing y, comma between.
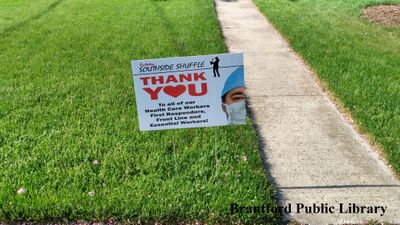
x: 235, y: 80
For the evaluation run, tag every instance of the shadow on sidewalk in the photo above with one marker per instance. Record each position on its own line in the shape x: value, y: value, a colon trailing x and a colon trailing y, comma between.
x: 262, y: 147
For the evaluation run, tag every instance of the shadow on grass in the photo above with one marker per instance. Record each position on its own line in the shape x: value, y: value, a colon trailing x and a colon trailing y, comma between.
x: 33, y: 18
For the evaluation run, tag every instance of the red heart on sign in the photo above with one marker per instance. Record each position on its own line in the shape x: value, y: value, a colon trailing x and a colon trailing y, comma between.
x: 175, y: 91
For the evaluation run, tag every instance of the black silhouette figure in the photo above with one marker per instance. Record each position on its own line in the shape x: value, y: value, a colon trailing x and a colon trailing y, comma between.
x: 215, y: 64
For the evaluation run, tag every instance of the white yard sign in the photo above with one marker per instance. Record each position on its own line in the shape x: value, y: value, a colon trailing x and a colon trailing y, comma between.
x: 197, y: 91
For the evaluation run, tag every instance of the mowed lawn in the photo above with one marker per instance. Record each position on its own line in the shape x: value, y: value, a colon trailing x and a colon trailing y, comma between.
x: 359, y: 61
x: 68, y: 123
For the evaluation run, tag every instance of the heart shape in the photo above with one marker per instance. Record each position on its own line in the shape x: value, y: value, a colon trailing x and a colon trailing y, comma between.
x: 175, y: 91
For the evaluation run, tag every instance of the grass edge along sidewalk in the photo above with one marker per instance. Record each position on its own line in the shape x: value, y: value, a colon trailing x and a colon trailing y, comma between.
x: 68, y: 125
x: 357, y: 61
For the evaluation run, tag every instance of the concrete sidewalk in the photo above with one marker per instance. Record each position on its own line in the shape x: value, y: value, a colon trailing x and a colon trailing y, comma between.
x: 314, y: 155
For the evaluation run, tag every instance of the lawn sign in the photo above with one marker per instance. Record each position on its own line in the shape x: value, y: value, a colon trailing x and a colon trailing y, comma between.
x: 188, y: 92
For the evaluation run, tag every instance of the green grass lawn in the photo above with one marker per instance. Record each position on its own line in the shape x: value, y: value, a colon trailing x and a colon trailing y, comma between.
x: 359, y: 62
x: 67, y: 100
